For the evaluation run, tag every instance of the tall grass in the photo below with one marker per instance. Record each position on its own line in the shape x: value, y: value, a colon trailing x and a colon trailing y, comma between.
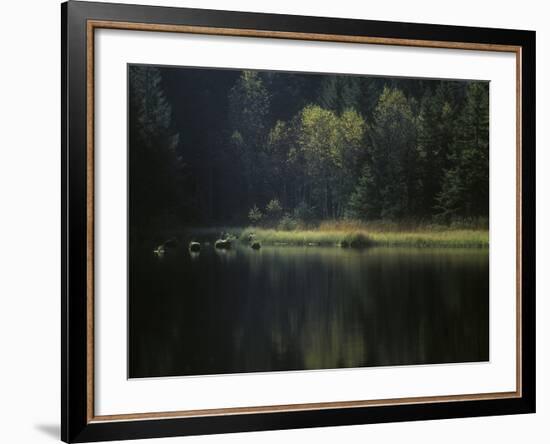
x: 353, y: 233
x: 359, y: 234
x: 447, y: 238
x: 470, y: 224
x: 307, y: 237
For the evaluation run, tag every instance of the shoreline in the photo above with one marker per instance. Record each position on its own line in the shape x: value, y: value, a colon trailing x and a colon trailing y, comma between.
x: 351, y: 238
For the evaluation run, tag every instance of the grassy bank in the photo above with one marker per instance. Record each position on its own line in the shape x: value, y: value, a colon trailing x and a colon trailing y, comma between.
x: 356, y: 234
x: 450, y: 238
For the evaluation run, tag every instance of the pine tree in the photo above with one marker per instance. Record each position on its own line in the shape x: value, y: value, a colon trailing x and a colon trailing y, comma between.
x: 154, y: 163
x: 465, y: 190
x: 248, y: 108
x: 365, y: 202
x: 393, y: 158
x: 339, y: 93
x: 436, y: 134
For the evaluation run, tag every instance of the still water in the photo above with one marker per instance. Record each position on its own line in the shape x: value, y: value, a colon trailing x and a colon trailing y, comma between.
x: 295, y: 308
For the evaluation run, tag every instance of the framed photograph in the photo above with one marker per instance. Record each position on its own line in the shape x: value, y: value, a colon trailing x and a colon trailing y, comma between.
x: 276, y: 221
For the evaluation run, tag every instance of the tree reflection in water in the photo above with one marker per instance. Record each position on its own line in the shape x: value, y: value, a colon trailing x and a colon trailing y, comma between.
x: 300, y: 308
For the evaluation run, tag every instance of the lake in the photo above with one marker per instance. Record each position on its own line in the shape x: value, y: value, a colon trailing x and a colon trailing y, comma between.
x: 287, y: 308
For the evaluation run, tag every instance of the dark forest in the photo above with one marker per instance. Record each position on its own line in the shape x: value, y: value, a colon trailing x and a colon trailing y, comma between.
x: 219, y: 147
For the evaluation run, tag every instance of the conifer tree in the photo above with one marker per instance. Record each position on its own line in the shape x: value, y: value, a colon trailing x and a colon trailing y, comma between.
x: 465, y: 189
x: 155, y: 165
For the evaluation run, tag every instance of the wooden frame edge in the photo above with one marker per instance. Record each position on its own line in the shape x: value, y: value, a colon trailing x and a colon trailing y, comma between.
x: 91, y: 25
x: 336, y: 38
x: 90, y: 246
x: 285, y: 408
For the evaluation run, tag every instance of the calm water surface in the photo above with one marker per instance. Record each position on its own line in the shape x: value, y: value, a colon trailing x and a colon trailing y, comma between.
x: 295, y: 308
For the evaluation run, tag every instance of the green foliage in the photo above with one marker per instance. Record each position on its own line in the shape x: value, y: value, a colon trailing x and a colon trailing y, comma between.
x: 465, y: 186
x: 280, y: 141
x: 287, y: 223
x: 339, y: 93
x: 304, y: 213
x: 332, y: 147
x: 318, y: 141
x: 237, y: 139
x: 357, y: 239
x: 248, y: 110
x: 388, y: 184
x: 413, y: 159
x: 437, y: 125
x: 329, y: 147
x: 360, y: 205
x: 285, y: 176
x: 394, y: 141
x: 155, y: 188
x: 147, y: 100
x: 249, y: 105
x: 255, y: 215
x: 273, y: 210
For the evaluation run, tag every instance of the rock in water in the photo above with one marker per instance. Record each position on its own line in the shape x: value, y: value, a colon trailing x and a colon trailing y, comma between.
x: 195, y: 247
x: 223, y: 244
x: 256, y: 245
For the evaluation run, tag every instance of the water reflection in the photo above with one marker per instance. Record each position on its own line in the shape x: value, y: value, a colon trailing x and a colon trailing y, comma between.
x: 286, y: 308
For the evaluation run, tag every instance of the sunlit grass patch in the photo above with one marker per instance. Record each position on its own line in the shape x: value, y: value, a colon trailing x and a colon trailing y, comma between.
x: 357, y: 237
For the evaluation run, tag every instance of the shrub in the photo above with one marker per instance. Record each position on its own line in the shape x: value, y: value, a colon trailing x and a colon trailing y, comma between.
x: 273, y: 210
x: 255, y: 215
x: 287, y: 223
x: 356, y: 240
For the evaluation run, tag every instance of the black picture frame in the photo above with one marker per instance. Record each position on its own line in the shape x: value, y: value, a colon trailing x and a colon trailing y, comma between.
x: 76, y: 423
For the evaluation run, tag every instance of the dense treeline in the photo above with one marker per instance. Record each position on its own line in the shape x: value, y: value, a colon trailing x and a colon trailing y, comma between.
x: 233, y: 147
